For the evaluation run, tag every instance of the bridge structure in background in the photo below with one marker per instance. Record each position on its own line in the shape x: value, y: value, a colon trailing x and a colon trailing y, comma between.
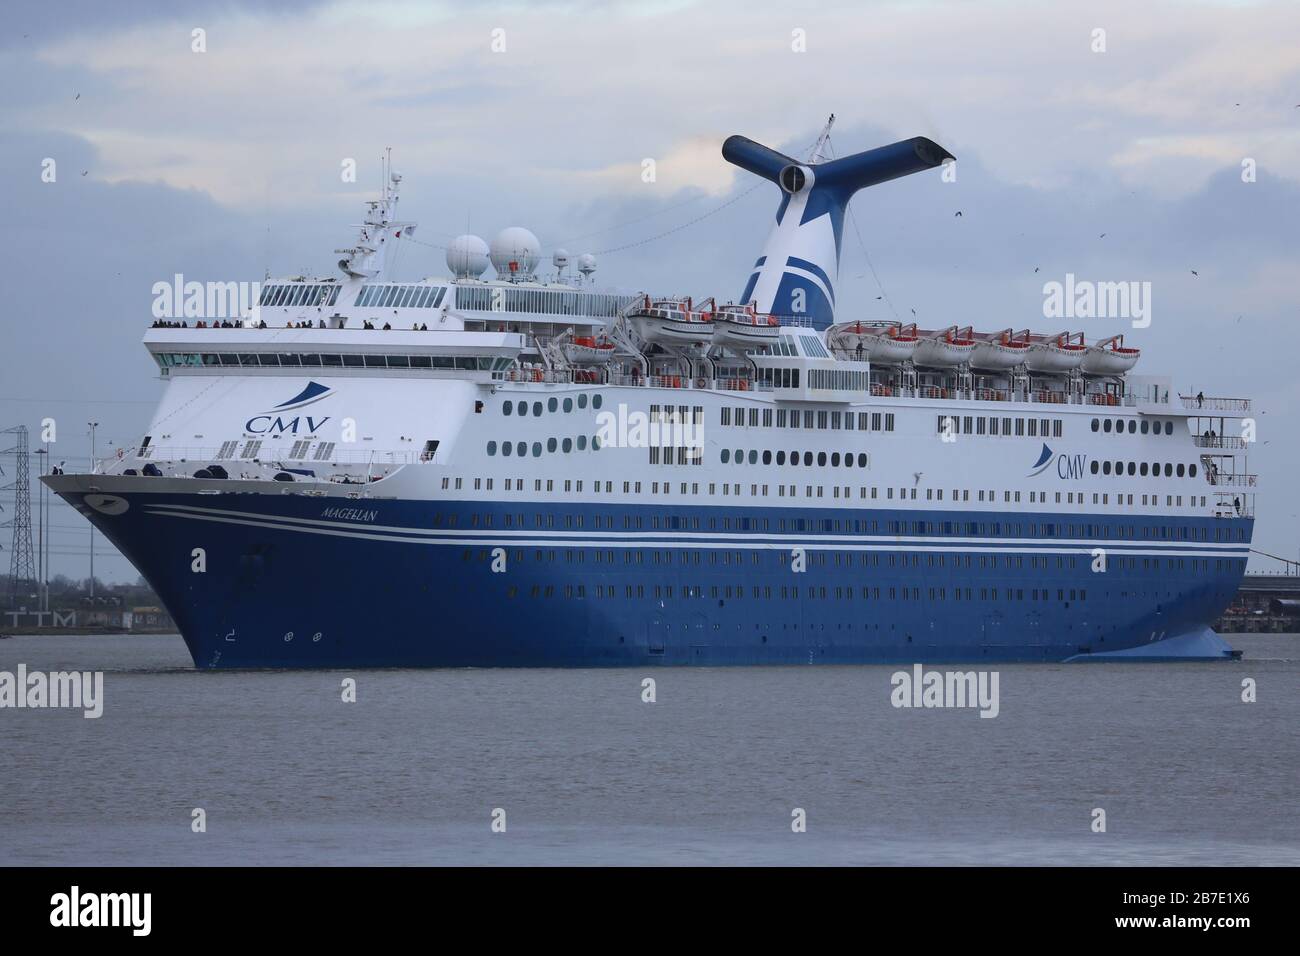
x: 1266, y: 602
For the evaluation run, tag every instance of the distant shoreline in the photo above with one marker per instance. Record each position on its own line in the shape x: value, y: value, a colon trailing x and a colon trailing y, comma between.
x: 91, y: 632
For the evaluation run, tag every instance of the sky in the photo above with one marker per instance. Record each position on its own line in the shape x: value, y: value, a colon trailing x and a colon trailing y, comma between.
x: 1164, y: 149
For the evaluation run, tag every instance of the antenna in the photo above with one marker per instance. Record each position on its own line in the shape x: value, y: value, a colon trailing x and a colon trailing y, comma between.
x: 818, y: 150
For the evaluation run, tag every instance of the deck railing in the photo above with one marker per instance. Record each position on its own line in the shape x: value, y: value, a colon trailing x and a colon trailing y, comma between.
x: 1231, y: 481
x: 1215, y: 404
x: 1218, y: 441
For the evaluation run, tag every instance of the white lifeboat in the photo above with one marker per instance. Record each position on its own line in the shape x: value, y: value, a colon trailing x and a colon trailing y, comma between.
x: 741, y: 326
x: 1110, y: 357
x: 886, y: 343
x: 951, y: 347
x: 671, y: 322
x: 1055, y: 353
x: 1000, y: 350
x: 586, y: 350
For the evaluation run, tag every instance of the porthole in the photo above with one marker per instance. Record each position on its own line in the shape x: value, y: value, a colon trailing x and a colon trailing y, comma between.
x: 582, y: 400
x: 821, y: 459
x: 862, y: 459
x: 1169, y: 428
x: 767, y: 457
x: 1095, y: 466
x: 552, y: 404
x: 1143, y: 469
x: 568, y: 404
x: 1155, y: 469
x: 506, y: 407
x: 506, y: 448
x: 808, y: 458
x: 567, y: 445
x: 1105, y: 426
x: 551, y: 444
x: 596, y: 400
x: 521, y: 449
x: 1105, y: 468
x: 1146, y: 426
x: 1181, y: 470
x: 1169, y: 470
x: 492, y: 448
x: 1191, y: 470
x: 1119, y: 468
x: 595, y: 443
x: 1095, y: 424
x: 537, y: 449
x: 1119, y: 426
x: 794, y: 458
x: 1132, y: 468
x: 780, y: 458
x: 1132, y: 427
x: 740, y: 457
x: 582, y: 443
x: 726, y: 456
x: 537, y: 409
x: 753, y: 457
x: 835, y: 459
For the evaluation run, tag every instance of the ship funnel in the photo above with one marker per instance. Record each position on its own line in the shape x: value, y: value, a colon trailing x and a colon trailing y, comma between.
x: 795, y: 275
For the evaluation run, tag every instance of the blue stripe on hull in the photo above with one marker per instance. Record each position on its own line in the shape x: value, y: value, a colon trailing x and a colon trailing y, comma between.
x: 285, y: 587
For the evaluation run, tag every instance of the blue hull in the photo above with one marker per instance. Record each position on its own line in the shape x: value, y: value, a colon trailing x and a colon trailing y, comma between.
x: 293, y: 581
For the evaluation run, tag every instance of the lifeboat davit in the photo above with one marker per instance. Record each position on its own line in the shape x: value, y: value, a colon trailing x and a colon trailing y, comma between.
x: 671, y: 322
x: 951, y: 347
x: 1056, y: 353
x: 1110, y: 357
x: 1000, y: 350
x: 585, y: 350
x: 741, y: 326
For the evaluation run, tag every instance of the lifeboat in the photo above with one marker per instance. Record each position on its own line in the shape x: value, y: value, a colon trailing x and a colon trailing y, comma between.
x: 1000, y: 350
x: 585, y: 350
x: 1110, y: 357
x: 740, y: 326
x: 951, y: 347
x: 671, y: 322
x: 1055, y: 353
x: 886, y: 343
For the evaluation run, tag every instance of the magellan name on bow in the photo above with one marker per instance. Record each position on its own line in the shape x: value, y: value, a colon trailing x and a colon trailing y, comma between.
x: 349, y: 514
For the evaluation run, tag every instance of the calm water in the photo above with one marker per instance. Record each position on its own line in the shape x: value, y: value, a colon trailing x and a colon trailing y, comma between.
x: 587, y: 773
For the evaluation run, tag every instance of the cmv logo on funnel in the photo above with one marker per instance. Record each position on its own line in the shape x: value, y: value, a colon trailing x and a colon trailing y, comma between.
x: 274, y: 422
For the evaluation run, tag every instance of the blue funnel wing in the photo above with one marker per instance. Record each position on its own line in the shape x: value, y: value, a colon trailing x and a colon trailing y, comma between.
x: 795, y: 276
x: 754, y: 157
x: 882, y: 164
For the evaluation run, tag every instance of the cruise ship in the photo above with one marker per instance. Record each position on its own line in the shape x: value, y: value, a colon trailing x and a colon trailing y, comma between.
x: 524, y: 470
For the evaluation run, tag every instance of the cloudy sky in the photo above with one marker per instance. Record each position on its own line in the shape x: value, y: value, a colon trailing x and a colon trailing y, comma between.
x: 225, y: 164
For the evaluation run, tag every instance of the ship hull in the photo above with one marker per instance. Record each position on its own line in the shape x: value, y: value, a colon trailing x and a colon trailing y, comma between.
x: 296, y: 581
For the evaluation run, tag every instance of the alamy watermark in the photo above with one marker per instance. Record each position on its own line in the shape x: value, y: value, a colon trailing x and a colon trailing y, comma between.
x: 82, y: 690
x: 179, y: 299
x: 944, y: 689
x: 636, y: 429
x: 1084, y: 299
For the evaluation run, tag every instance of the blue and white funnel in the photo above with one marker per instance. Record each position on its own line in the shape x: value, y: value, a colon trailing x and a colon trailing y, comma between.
x: 795, y: 275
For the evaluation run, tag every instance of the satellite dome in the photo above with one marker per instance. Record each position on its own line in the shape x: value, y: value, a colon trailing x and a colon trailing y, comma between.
x: 515, y: 252
x: 560, y: 259
x: 586, y: 263
x: 467, y: 257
